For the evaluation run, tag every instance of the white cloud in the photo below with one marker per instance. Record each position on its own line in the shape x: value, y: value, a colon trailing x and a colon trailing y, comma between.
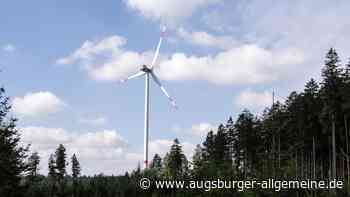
x: 244, y: 64
x: 247, y: 64
x: 203, y: 38
x: 169, y: 10
x: 305, y: 25
x: 104, y: 151
x: 162, y: 146
x: 45, y: 138
x: 254, y: 100
x: 98, y: 151
x: 202, y: 129
x: 9, y: 48
x: 196, y: 130
x: 96, y: 121
x: 106, y: 60
x: 37, y: 104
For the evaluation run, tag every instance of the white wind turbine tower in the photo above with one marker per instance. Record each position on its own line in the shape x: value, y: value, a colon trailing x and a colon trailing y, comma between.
x: 147, y: 71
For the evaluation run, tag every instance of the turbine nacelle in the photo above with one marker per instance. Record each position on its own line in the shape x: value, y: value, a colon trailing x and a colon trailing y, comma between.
x: 146, y: 69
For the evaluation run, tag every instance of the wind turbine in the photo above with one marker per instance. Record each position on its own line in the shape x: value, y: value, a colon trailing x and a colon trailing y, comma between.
x: 148, y: 72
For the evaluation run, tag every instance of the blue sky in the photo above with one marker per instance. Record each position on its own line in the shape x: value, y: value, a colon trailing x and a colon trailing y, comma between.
x: 61, y: 62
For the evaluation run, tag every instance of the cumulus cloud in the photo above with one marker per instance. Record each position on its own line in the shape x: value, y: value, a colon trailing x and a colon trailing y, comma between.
x: 102, y: 151
x: 253, y: 100
x: 37, y: 104
x: 202, y: 129
x: 202, y: 38
x: 91, y: 147
x: 269, y: 44
x: 305, y: 25
x: 195, y: 130
x: 162, y: 146
x: 247, y: 64
x: 9, y: 48
x: 244, y: 64
x: 106, y: 59
x: 45, y: 138
x: 169, y: 10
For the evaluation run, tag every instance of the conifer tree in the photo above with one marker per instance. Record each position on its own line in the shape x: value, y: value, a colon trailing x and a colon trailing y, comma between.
x: 52, y: 166
x: 12, y: 155
x: 311, y: 110
x: 208, y: 147
x: 332, y: 82
x: 231, y: 134
x: 75, y: 167
x: 197, y: 162
x: 221, y: 146
x: 156, y: 162
x: 247, y: 141
x: 52, y: 175
x: 61, y: 163
x: 75, y: 173
x: 33, y: 164
x: 176, y: 164
x: 332, y: 97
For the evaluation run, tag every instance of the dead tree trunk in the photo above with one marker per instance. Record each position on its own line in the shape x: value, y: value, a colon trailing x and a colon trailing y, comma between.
x: 347, y: 146
x: 279, y: 152
x: 273, y: 157
x: 296, y: 164
x: 334, y: 166
x: 314, y: 157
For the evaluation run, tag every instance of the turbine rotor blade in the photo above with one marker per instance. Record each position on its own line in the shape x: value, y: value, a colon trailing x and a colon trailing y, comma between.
x: 172, y: 101
x: 138, y: 74
x: 156, y: 54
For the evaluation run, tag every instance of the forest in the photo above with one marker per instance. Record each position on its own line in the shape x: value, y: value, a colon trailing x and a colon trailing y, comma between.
x: 305, y: 137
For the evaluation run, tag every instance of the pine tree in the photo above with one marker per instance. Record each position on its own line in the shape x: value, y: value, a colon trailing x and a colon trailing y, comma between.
x: 332, y: 97
x: 75, y: 167
x: 221, y: 146
x: 75, y: 173
x: 346, y: 108
x: 346, y: 88
x: 12, y: 155
x: 33, y: 179
x: 231, y: 135
x: 312, y: 109
x: 52, y: 166
x: 197, y: 162
x: 33, y: 164
x: 332, y: 82
x: 52, y: 175
x: 247, y: 142
x: 176, y: 164
x: 208, y: 147
x: 347, y: 72
x: 311, y: 88
x: 61, y: 163
x: 156, y: 162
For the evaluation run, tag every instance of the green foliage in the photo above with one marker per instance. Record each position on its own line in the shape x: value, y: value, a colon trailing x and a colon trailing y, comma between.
x: 33, y: 166
x: 156, y: 162
x: 75, y: 173
x: 75, y: 167
x: 61, y: 162
x: 12, y: 155
x: 176, y: 164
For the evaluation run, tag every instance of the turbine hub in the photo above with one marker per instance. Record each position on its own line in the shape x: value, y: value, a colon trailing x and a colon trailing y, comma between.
x: 146, y: 69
